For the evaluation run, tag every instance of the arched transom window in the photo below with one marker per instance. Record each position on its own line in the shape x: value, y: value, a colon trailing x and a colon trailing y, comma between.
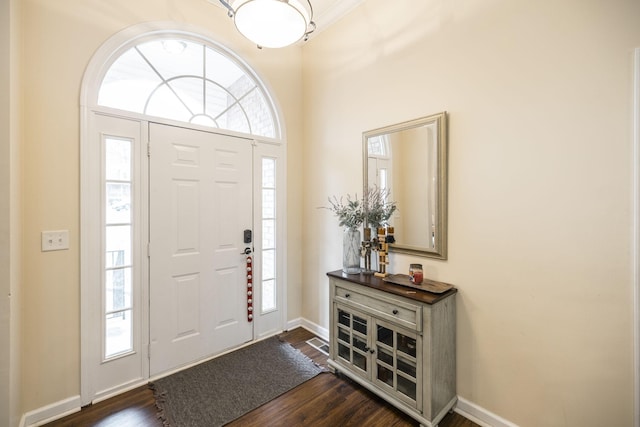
x: 188, y: 81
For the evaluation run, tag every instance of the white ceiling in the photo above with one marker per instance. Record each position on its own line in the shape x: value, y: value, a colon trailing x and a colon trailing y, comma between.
x: 325, y: 12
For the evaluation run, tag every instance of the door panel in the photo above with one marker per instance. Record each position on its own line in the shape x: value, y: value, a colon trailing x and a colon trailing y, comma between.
x: 200, y: 203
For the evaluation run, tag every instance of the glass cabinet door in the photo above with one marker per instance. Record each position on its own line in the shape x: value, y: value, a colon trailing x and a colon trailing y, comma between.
x: 352, y: 338
x: 396, y: 362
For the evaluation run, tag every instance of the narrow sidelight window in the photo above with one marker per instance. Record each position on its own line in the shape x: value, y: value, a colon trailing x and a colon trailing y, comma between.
x: 118, y: 248
x: 269, y: 278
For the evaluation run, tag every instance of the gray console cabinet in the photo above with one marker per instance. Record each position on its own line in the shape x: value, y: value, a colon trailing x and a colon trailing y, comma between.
x: 397, y: 342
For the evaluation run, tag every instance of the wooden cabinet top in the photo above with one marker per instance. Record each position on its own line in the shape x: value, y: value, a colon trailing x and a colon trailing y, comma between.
x: 374, y: 282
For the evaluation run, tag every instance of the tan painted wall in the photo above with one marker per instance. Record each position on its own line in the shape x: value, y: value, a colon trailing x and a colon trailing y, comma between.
x: 539, y: 102
x: 16, y: 216
x: 60, y: 37
x: 539, y: 97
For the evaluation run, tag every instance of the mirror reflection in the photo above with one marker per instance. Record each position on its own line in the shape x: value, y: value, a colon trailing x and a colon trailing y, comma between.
x: 409, y: 161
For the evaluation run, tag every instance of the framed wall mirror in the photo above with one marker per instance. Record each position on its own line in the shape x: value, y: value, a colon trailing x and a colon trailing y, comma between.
x: 409, y: 160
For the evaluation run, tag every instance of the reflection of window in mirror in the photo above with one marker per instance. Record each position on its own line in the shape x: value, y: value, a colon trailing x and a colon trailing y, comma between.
x: 383, y: 179
x: 379, y: 146
x: 379, y: 167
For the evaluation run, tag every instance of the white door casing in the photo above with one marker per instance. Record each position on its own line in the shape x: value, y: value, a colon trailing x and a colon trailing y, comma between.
x: 271, y: 321
x: 92, y: 232
x: 104, y: 377
x: 200, y: 204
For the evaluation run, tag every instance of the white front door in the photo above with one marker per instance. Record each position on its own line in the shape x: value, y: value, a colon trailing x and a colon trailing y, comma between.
x: 200, y: 201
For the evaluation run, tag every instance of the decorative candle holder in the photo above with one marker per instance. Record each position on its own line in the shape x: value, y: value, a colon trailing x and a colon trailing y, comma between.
x: 383, y: 253
x: 390, y: 237
x: 367, y: 247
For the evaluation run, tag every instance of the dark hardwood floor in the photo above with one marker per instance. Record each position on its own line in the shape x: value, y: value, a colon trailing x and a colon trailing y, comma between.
x: 326, y: 400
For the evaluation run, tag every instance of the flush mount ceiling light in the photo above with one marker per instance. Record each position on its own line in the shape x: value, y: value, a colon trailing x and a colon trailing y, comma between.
x: 272, y: 23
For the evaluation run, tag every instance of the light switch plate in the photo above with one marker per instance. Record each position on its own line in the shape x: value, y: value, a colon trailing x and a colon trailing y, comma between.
x: 57, y: 240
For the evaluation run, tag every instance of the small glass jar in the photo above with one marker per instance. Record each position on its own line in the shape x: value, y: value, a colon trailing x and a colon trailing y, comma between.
x: 415, y: 273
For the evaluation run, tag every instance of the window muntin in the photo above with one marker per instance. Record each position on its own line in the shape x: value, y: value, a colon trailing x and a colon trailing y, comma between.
x: 187, y: 81
x: 118, y: 248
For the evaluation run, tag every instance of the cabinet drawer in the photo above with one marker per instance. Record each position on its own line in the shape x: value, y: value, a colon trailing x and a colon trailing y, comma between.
x: 399, y: 312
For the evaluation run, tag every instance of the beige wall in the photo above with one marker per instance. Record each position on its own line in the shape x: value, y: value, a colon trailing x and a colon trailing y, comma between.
x: 59, y: 39
x: 16, y: 215
x: 540, y: 172
x: 539, y: 102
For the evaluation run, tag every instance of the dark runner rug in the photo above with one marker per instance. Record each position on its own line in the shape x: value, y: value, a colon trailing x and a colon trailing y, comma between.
x: 223, y: 389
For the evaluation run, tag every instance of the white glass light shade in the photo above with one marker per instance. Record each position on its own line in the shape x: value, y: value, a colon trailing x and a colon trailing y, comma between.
x: 272, y: 23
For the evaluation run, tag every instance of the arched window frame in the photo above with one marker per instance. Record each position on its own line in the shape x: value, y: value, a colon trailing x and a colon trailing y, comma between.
x: 113, y: 48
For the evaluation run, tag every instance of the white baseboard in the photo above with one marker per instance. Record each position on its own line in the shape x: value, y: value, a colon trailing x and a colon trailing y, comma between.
x: 65, y: 407
x: 294, y: 323
x: 467, y: 409
x: 480, y: 415
x: 115, y: 391
x: 310, y: 326
x: 51, y: 412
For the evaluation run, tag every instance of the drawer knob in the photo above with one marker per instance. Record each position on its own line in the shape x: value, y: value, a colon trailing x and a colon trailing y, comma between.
x: 347, y: 295
x: 395, y: 311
